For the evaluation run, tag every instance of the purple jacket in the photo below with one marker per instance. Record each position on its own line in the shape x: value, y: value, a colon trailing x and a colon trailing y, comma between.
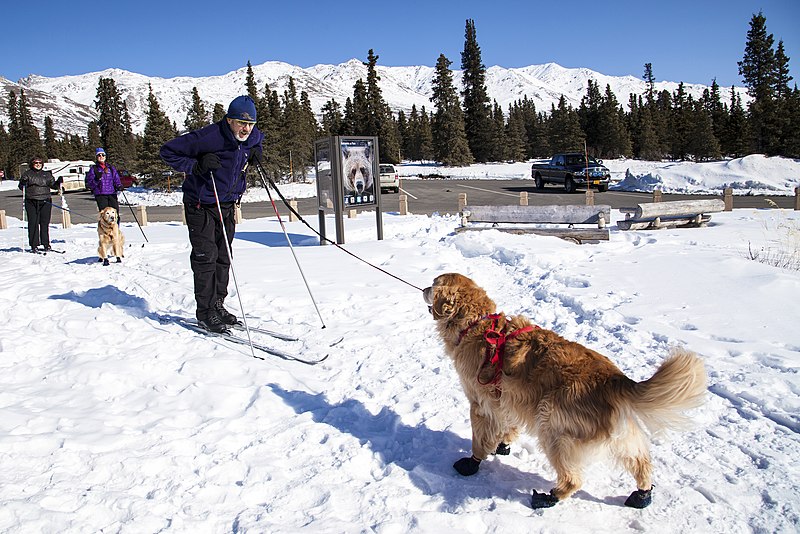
x: 102, y: 182
x: 183, y: 152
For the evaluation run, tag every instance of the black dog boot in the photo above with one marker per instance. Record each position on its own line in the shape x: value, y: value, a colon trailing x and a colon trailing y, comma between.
x: 543, y: 500
x: 119, y: 260
x: 503, y: 449
x: 640, y: 498
x: 467, y: 466
x: 105, y: 262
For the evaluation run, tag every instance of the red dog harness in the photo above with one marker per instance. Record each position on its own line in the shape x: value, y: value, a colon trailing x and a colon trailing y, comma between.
x: 496, y: 345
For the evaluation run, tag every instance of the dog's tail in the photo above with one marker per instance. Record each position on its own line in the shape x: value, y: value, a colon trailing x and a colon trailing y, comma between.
x: 678, y: 385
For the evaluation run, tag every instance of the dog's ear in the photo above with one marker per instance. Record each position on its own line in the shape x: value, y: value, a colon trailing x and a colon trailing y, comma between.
x: 444, y: 303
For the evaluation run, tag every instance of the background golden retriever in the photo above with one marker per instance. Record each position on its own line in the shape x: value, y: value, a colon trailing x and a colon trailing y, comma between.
x: 111, y: 238
x: 573, y: 399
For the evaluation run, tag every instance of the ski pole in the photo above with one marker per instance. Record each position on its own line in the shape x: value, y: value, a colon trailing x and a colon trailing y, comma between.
x: 24, y: 187
x: 230, y: 257
x: 289, y: 241
x: 134, y: 216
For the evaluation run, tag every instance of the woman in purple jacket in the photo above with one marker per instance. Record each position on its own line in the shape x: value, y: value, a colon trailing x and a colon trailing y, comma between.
x: 103, y: 181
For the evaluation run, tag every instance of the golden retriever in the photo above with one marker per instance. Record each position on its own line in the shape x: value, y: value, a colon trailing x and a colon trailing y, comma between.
x: 111, y: 239
x: 574, y: 400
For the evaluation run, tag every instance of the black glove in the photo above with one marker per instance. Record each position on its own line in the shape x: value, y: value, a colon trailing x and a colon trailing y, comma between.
x: 205, y: 163
x: 255, y: 155
x: 118, y: 188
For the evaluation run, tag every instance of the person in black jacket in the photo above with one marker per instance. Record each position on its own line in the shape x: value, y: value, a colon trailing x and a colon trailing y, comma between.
x: 36, y: 184
x: 214, y: 159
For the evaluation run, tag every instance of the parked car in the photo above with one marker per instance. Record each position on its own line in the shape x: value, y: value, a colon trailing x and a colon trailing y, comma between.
x: 570, y: 170
x: 390, y: 179
x: 127, y: 179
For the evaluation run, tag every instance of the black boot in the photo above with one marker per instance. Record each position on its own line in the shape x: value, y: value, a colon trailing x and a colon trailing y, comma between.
x: 214, y: 323
x: 226, y: 316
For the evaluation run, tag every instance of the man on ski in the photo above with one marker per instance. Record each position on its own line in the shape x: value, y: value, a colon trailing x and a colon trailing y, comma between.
x: 214, y: 159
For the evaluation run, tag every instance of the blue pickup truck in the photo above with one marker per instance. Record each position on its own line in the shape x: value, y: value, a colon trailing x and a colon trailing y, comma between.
x: 570, y: 170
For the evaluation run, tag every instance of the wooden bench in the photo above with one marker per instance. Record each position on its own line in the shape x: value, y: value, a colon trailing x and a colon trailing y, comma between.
x: 677, y: 214
x: 520, y: 220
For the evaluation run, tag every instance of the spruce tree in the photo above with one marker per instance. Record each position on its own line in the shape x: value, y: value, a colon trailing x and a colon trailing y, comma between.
x: 157, y: 131
x: 332, y: 118
x: 498, y: 144
x: 701, y: 141
x: 356, y: 118
x: 379, y: 120
x: 616, y: 140
x: 477, y: 110
x: 5, y: 143
x: 425, y: 136
x: 109, y: 106
x: 250, y: 85
x: 589, y: 115
x: 51, y: 148
x: 93, y: 140
x: 196, y: 116
x: 271, y: 127
x: 450, y: 145
x: 564, y: 128
x: 25, y: 140
x: 516, y: 140
x: 219, y: 113
x: 758, y: 71
x: 735, y: 139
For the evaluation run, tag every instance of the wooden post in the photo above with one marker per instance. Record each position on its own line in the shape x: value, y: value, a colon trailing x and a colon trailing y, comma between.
x: 237, y: 214
x: 352, y: 214
x: 728, y: 198
x: 462, y: 201
x: 403, y: 204
x: 66, y: 219
x: 589, y: 197
x: 656, y: 195
x: 142, y: 215
x: 523, y: 198
x: 3, y: 222
x: 292, y: 216
x: 797, y: 198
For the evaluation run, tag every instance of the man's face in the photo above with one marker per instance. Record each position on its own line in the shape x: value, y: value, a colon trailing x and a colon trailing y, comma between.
x: 241, y: 130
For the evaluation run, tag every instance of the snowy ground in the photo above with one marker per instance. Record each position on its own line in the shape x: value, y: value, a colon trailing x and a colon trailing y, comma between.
x: 113, y: 421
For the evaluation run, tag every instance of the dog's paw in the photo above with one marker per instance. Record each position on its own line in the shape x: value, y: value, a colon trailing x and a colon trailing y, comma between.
x: 640, y: 498
x: 105, y: 262
x: 503, y: 449
x: 99, y: 259
x: 543, y: 500
x: 467, y: 466
x: 119, y: 260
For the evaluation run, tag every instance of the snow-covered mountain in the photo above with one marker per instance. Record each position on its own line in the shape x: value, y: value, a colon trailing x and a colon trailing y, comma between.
x: 69, y: 100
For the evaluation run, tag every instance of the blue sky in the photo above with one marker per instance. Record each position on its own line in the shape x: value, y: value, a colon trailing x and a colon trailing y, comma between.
x: 690, y: 41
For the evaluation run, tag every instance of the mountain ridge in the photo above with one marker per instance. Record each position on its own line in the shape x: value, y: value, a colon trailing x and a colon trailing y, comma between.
x: 69, y: 100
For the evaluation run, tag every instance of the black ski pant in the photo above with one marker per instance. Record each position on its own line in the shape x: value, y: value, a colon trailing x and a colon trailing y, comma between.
x: 209, y: 258
x: 104, y: 201
x: 38, y: 213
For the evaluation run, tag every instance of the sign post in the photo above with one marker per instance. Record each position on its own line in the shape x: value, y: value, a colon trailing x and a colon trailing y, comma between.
x: 348, y: 177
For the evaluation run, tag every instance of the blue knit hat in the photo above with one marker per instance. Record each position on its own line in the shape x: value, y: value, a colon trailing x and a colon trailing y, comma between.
x: 242, y: 109
x: 100, y: 150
